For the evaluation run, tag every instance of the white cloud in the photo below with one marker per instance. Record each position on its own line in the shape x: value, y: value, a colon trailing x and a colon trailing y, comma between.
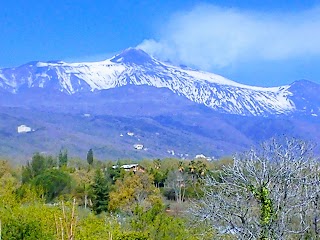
x: 213, y: 37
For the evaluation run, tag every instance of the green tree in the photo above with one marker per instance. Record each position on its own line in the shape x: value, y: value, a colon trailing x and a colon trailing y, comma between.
x: 100, y: 192
x: 90, y: 157
x: 53, y: 182
x: 159, y: 177
x: 37, y: 166
x: 63, y: 158
x: 115, y: 173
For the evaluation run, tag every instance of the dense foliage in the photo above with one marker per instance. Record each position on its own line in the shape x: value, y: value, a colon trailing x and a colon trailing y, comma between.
x: 55, y: 197
x: 267, y: 193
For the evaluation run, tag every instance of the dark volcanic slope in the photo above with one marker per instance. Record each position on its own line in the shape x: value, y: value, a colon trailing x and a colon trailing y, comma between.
x: 159, y: 119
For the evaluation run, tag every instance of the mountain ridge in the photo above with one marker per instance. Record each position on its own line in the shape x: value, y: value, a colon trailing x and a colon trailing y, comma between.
x: 135, y: 67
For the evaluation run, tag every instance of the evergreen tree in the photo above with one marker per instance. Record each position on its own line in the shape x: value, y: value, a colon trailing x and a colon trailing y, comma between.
x: 90, y: 157
x: 100, y: 193
x: 63, y: 158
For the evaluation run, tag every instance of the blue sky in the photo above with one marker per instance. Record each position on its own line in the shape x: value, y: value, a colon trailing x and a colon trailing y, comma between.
x: 265, y: 43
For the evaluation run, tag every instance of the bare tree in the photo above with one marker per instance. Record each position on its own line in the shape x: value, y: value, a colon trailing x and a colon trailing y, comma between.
x: 271, y: 192
x: 177, y: 182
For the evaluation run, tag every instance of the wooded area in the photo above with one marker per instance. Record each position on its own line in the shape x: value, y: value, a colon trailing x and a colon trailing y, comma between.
x: 271, y: 192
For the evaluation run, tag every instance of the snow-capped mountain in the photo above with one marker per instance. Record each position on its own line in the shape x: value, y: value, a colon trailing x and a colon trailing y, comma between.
x: 135, y: 67
x: 95, y: 104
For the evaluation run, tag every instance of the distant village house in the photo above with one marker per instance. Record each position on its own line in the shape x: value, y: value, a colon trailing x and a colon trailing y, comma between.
x: 138, y: 146
x: 201, y: 156
x: 24, y: 129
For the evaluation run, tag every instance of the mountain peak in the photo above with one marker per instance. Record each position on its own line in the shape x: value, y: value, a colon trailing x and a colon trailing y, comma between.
x: 133, y: 55
x: 303, y: 82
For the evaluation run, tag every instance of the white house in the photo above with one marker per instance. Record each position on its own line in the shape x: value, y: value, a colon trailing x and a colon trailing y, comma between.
x: 24, y: 129
x: 138, y: 146
x: 200, y: 156
x: 130, y: 167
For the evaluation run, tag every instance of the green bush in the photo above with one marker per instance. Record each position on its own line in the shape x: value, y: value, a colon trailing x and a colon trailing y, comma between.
x: 24, y: 229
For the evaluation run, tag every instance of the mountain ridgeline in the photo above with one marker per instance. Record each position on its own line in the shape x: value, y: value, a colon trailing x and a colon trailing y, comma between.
x: 133, y: 98
x: 135, y: 67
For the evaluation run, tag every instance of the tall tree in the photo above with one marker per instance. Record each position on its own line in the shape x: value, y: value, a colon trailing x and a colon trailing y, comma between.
x: 177, y: 181
x: 268, y: 193
x: 38, y: 164
x: 63, y: 158
x: 100, y: 192
x: 90, y: 157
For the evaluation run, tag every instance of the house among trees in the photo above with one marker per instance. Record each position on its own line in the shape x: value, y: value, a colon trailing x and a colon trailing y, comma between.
x: 131, y: 167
